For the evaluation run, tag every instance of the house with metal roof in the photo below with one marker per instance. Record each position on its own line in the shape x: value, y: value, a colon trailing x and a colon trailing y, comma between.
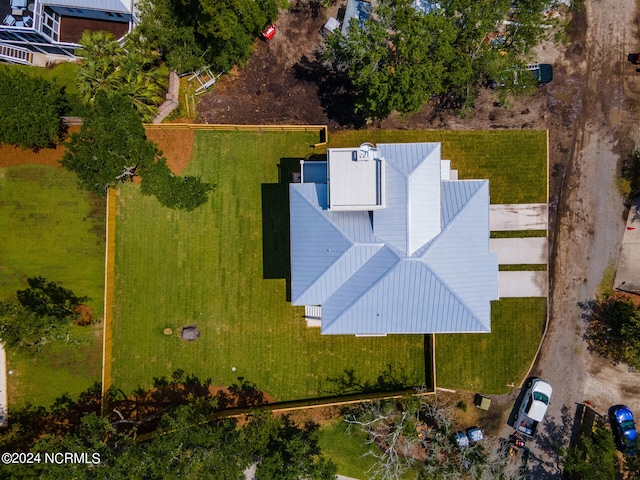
x: 387, y: 240
x: 34, y: 32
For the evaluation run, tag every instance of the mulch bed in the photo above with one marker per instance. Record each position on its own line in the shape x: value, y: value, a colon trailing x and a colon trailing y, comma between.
x: 176, y: 146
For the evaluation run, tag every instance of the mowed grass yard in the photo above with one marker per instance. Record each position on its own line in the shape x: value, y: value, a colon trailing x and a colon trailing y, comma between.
x: 218, y: 268
x: 207, y: 268
x: 51, y: 228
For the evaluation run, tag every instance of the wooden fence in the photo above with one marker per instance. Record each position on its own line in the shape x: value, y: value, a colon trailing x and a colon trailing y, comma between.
x: 107, y: 340
x: 284, y: 407
x: 323, y: 130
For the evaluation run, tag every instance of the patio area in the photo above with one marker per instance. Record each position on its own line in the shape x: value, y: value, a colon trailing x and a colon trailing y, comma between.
x: 17, y: 13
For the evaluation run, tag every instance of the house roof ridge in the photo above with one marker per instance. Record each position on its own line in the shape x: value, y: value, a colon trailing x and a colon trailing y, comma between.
x: 455, y: 295
x: 397, y: 261
x: 430, y: 244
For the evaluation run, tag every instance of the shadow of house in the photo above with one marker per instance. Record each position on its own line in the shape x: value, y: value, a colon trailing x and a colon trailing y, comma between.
x: 276, y: 253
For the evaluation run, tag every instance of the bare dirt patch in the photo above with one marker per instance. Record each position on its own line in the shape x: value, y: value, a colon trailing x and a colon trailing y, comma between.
x: 11, y: 156
x: 267, y: 90
x: 176, y: 146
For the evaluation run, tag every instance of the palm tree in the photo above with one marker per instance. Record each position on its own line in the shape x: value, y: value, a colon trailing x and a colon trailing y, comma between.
x: 130, y: 72
x: 100, y: 67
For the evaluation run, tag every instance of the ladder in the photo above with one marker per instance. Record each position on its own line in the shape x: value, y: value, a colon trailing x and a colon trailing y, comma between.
x: 13, y: 54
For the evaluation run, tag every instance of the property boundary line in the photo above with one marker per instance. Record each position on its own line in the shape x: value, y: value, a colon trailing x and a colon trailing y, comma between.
x: 323, y: 130
x: 550, y: 287
x: 109, y: 260
x: 293, y: 405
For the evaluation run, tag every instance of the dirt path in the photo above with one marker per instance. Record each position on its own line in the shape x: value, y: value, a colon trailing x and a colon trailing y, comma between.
x: 590, y: 224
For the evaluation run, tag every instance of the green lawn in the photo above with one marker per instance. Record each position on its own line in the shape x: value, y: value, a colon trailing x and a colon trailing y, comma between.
x: 490, y: 363
x: 207, y: 268
x: 50, y: 228
x: 65, y: 75
x: 514, y: 161
x: 346, y: 449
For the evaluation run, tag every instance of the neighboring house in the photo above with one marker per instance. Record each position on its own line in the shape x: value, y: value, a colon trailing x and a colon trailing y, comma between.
x: 34, y: 32
x: 358, y: 9
x: 387, y: 240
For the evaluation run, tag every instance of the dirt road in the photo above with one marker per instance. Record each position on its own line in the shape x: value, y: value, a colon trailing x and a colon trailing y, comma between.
x: 590, y: 221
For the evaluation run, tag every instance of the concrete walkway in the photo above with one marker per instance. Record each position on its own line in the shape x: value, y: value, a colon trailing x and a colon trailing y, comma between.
x: 628, y: 272
x: 4, y: 406
x: 523, y: 284
x: 514, y: 251
x: 522, y: 216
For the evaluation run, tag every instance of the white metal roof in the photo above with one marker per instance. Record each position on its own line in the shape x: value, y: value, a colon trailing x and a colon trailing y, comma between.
x: 122, y: 6
x: 372, y: 280
x: 355, y: 182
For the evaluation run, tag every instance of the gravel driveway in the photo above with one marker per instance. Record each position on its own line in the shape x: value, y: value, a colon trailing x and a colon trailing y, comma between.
x: 589, y: 222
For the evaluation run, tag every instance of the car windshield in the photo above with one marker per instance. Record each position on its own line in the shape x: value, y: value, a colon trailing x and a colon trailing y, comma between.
x: 540, y: 397
x: 627, y: 425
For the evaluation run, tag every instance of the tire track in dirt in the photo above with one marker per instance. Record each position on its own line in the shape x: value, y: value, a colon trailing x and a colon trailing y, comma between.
x: 589, y: 231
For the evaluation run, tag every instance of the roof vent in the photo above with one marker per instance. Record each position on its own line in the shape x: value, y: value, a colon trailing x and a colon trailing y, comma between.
x: 367, y: 152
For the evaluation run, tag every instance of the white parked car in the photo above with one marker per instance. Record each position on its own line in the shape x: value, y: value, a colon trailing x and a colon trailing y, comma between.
x: 533, y: 407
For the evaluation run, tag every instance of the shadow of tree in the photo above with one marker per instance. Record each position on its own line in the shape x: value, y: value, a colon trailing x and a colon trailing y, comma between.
x: 335, y: 90
x: 242, y: 395
x: 611, y: 325
x: 135, y: 414
x: 553, y: 439
x: 349, y: 382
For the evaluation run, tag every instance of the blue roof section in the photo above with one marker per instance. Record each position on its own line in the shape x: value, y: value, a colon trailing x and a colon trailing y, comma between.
x: 390, y: 224
x: 337, y: 274
x: 410, y: 297
x: 355, y: 225
x: 123, y: 6
x: 412, y: 189
x: 407, y: 156
x: 316, y: 242
x: 460, y: 256
x: 455, y: 195
x: 382, y: 272
x: 359, y: 284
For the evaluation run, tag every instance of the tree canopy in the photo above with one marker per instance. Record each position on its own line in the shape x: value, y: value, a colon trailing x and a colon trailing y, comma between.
x: 32, y: 110
x: 614, y: 329
x: 417, y: 434
x: 194, y: 33
x: 43, y: 313
x: 402, y: 56
x: 131, y: 71
x: 186, y: 444
x: 111, y: 138
x: 112, y: 147
x: 594, y: 456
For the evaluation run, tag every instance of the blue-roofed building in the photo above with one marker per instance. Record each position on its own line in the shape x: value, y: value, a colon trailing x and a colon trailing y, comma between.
x: 36, y: 32
x: 358, y: 9
x: 387, y: 240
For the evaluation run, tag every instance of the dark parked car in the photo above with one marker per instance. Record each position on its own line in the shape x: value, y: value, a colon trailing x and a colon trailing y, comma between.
x: 542, y: 72
x: 624, y: 428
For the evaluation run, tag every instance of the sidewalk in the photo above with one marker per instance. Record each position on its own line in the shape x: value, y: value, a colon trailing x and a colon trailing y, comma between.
x: 628, y: 273
x: 4, y: 407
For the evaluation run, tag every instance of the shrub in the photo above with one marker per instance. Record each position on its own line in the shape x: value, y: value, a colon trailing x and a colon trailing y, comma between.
x: 32, y: 110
